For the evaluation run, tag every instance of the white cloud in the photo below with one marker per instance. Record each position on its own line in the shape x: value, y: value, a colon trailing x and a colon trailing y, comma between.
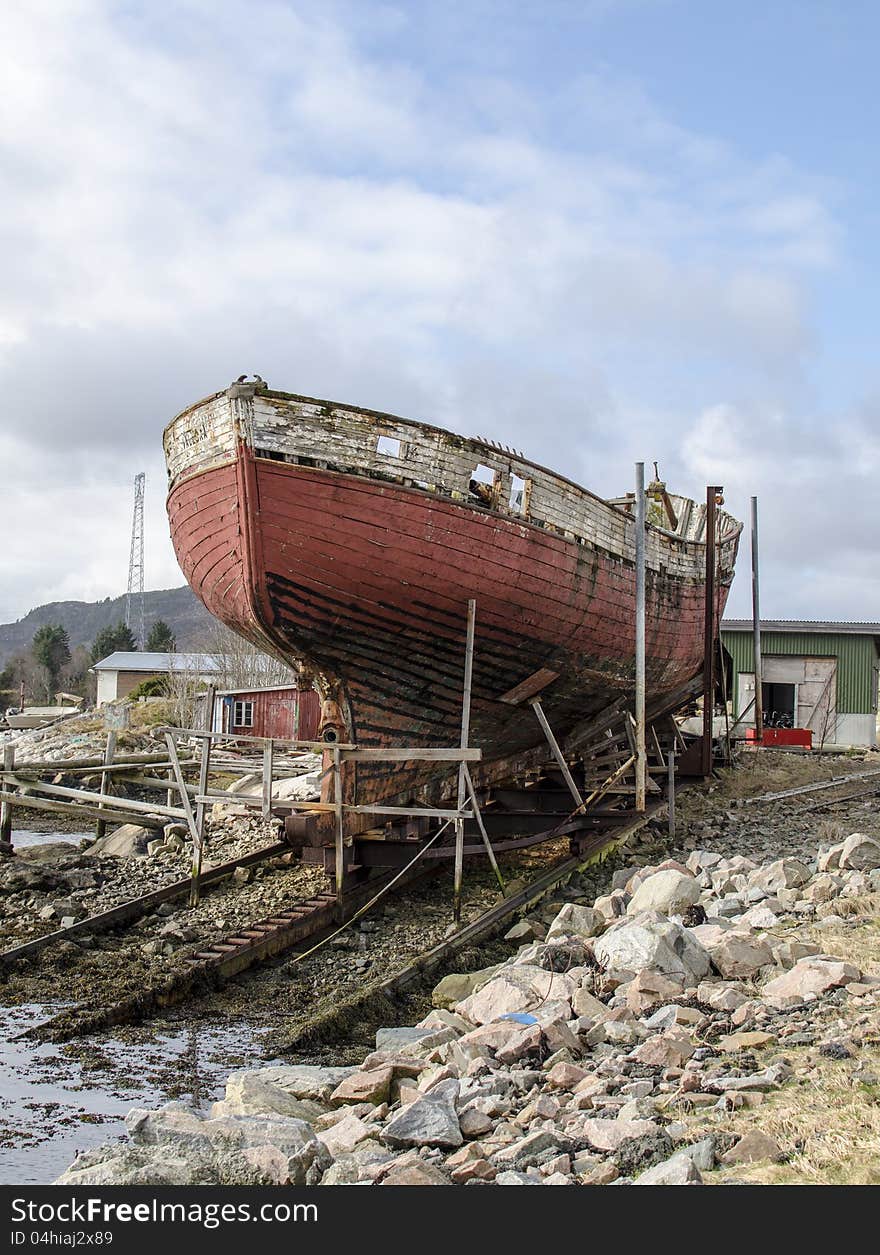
x: 256, y: 187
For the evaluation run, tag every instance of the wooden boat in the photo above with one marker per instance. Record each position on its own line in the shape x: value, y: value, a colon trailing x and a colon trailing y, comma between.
x: 350, y: 541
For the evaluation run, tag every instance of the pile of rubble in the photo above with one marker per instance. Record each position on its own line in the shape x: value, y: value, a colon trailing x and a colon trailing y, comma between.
x: 608, y: 1049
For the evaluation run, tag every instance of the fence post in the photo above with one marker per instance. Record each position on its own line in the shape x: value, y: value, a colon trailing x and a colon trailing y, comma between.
x: 6, y: 846
x: 106, y: 782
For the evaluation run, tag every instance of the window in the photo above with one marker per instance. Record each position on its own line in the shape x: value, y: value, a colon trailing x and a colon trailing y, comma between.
x: 243, y: 715
x: 520, y: 491
x: 389, y: 445
x: 484, y: 485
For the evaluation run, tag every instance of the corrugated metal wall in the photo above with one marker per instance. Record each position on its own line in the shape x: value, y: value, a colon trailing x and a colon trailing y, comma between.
x: 856, y: 655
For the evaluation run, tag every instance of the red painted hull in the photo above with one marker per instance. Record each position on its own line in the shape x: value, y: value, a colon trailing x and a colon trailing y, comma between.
x: 368, y: 582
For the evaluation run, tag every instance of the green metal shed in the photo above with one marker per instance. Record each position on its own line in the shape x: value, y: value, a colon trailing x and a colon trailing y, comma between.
x: 822, y: 676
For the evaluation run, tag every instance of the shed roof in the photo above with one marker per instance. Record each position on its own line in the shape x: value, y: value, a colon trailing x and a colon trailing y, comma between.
x: 803, y: 625
x: 143, y: 660
x: 259, y: 688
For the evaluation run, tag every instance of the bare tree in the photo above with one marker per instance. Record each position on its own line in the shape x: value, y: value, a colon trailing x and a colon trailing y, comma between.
x: 240, y: 664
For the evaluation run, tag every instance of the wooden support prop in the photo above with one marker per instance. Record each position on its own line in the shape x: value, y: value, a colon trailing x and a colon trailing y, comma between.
x: 106, y: 785
x: 204, y: 772
x: 465, y: 735
x: 194, y: 831
x: 266, y: 795
x: 670, y: 793
x: 556, y: 751
x: 482, y: 827
x: 6, y: 846
x: 338, y: 828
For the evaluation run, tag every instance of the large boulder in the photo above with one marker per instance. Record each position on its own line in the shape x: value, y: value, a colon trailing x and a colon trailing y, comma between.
x: 738, y: 956
x: 576, y: 921
x: 457, y: 986
x: 127, y: 841
x: 302, y: 1080
x: 860, y: 853
x: 515, y: 988
x: 249, y: 1093
x: 785, y: 873
x: 669, y: 892
x: 653, y: 941
x: 807, y: 980
x: 428, y: 1121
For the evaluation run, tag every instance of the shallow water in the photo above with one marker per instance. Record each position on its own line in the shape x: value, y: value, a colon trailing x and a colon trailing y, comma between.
x: 55, y: 1100
x: 23, y: 837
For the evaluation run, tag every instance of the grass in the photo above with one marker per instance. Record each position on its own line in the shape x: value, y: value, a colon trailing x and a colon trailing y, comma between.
x: 825, y: 1119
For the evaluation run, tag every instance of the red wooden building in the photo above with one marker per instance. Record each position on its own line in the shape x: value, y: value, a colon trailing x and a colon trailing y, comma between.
x: 283, y: 711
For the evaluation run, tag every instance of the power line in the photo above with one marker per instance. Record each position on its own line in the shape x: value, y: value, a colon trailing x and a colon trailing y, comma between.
x: 134, y: 598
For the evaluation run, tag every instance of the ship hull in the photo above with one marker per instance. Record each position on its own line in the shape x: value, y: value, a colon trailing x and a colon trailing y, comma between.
x: 367, y: 581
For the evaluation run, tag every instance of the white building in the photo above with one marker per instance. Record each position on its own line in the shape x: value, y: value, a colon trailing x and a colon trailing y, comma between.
x: 120, y: 673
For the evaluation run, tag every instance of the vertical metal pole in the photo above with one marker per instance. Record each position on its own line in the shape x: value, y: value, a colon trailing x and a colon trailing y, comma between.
x: 756, y: 630
x: 340, y: 827
x: 5, y: 808
x: 109, y: 751
x: 268, y: 758
x: 204, y: 774
x: 670, y: 792
x: 641, y: 755
x: 712, y: 493
x: 465, y: 734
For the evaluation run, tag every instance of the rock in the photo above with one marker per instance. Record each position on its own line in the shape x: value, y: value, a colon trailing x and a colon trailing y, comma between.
x: 304, y: 1080
x: 653, y: 941
x: 745, y: 1041
x: 679, y: 1170
x: 428, y: 1121
x: 371, y: 1086
x: 512, y: 1177
x: 576, y: 921
x: 343, y: 1136
x: 602, y: 1174
x: 394, y: 1038
x: 609, y: 1135
x: 527, y: 1151
x: 787, y: 953
x: 475, y: 1123
x: 650, y: 987
x: 701, y: 1153
x: 415, y: 1172
x: 249, y: 1093
x: 127, y: 841
x: 130, y: 1165
x: 808, y: 979
x: 585, y: 1006
x: 460, y: 985
x: 666, y: 1050
x: 738, y: 956
x: 217, y: 1144
x: 753, y: 1147
x: 722, y: 996
x: 860, y: 852
x: 785, y: 873
x: 516, y: 987
x: 769, y: 1078
x: 669, y: 892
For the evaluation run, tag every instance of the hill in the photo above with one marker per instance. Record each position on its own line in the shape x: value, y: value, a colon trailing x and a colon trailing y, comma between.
x: 187, y: 618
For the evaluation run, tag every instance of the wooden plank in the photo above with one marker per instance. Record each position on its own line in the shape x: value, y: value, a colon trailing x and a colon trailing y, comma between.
x: 78, y: 810
x: 5, y: 808
x: 402, y: 755
x: 84, y: 795
x: 530, y: 687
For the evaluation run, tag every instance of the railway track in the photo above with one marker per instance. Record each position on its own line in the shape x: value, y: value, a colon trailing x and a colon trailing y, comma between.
x: 312, y: 921
x: 825, y: 793
x: 133, y: 909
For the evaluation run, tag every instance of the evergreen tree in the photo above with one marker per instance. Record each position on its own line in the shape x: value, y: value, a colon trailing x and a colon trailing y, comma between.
x: 51, y: 648
x: 110, y: 639
x: 161, y: 638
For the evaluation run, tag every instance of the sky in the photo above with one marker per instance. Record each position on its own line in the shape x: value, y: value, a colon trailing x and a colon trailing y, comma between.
x: 599, y: 231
